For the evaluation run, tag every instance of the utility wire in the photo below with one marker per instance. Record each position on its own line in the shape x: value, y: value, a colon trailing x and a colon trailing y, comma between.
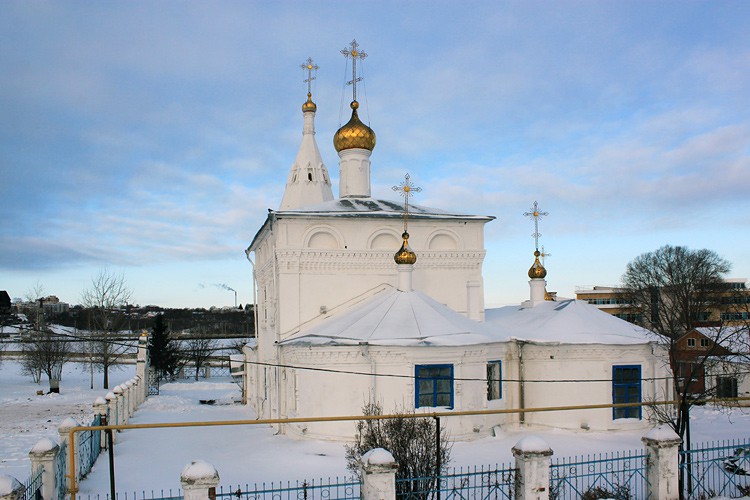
x: 369, y: 374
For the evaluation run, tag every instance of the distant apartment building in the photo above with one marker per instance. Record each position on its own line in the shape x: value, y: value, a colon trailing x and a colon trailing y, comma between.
x: 734, y: 306
x: 50, y: 306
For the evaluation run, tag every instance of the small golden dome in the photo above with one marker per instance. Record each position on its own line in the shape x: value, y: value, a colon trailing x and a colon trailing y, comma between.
x: 309, y: 105
x: 405, y: 254
x: 537, y: 270
x: 355, y: 134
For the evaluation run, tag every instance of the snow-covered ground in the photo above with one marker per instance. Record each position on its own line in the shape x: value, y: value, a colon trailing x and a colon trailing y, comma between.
x: 152, y: 459
x: 25, y: 417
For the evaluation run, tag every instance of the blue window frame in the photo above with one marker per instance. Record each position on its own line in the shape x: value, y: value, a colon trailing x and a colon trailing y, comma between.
x: 433, y: 385
x: 626, y: 388
x: 494, y: 380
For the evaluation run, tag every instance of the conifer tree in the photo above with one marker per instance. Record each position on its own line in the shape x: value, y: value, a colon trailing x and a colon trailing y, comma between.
x: 163, y: 350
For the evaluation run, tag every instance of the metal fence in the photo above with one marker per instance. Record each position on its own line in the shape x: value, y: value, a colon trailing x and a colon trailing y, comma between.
x: 89, y: 447
x: 153, y: 495
x: 716, y: 468
x: 471, y: 482
x: 329, y: 489
x: 61, y: 463
x: 205, y: 372
x: 619, y: 475
x: 33, y: 486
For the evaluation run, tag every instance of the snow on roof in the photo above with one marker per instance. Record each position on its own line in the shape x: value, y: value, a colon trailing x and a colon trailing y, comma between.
x: 732, y: 337
x: 367, y: 205
x: 393, y: 317
x: 569, y: 321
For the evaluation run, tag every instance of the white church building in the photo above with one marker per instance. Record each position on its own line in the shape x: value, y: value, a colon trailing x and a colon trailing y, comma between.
x: 351, y: 309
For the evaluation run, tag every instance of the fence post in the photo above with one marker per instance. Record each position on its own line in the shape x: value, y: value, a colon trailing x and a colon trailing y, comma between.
x: 10, y: 488
x: 64, y: 430
x: 136, y: 393
x: 199, y: 480
x: 532, y: 454
x: 378, y: 472
x: 141, y: 366
x: 131, y: 397
x: 122, y: 417
x: 44, y: 454
x: 100, y: 408
x: 662, y: 463
x: 112, y: 408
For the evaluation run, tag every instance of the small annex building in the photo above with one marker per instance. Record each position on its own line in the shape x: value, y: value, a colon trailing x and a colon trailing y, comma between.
x: 354, y: 306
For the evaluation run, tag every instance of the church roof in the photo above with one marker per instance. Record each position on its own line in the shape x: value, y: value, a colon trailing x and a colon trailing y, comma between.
x: 569, y: 322
x: 394, y: 317
x: 362, y: 206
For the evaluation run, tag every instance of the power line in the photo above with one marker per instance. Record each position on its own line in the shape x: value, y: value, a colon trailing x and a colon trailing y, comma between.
x: 381, y: 375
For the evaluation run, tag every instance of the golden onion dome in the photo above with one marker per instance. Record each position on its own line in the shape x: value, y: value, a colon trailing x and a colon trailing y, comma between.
x: 355, y: 134
x: 537, y: 270
x: 405, y: 254
x: 309, y: 104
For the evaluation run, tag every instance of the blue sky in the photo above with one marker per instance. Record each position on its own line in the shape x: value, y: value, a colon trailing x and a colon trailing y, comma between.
x: 150, y: 138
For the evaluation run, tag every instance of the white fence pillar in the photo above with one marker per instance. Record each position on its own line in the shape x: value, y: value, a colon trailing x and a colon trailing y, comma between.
x: 44, y: 455
x: 100, y: 408
x: 10, y: 488
x: 199, y: 480
x: 532, y: 461
x: 378, y: 472
x: 112, y: 410
x: 130, y: 390
x: 662, y: 464
x: 122, y: 417
x: 142, y: 368
x: 136, y: 393
x: 64, y: 430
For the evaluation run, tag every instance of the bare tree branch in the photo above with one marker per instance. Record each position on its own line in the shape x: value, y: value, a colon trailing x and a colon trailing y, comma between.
x: 106, y: 298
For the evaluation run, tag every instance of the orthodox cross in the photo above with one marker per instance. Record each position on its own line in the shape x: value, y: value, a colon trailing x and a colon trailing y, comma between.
x: 354, y: 54
x: 405, y: 189
x: 544, y: 254
x: 309, y: 66
x: 535, y: 214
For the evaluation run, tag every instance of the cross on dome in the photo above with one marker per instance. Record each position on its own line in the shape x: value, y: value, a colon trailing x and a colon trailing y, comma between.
x: 536, y: 214
x: 405, y: 188
x: 355, y: 54
x: 544, y: 254
x: 309, y: 66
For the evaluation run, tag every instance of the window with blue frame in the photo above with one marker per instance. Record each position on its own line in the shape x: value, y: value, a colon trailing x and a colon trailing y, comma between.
x: 433, y: 385
x: 494, y: 380
x: 626, y: 388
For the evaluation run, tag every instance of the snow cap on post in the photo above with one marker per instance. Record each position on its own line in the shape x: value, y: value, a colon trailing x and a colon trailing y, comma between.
x: 10, y: 487
x: 661, y: 433
x: 67, y: 424
x: 44, y: 445
x: 532, y: 445
x: 198, y: 471
x: 378, y: 456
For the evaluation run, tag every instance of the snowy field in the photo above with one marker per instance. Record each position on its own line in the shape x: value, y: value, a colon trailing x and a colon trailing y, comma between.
x: 152, y: 459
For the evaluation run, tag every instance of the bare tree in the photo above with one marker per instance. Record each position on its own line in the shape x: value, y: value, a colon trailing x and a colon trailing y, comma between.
x: 106, y: 298
x: 412, y: 442
x: 679, y: 294
x: 34, y: 293
x: 45, y: 352
x: 198, y: 351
